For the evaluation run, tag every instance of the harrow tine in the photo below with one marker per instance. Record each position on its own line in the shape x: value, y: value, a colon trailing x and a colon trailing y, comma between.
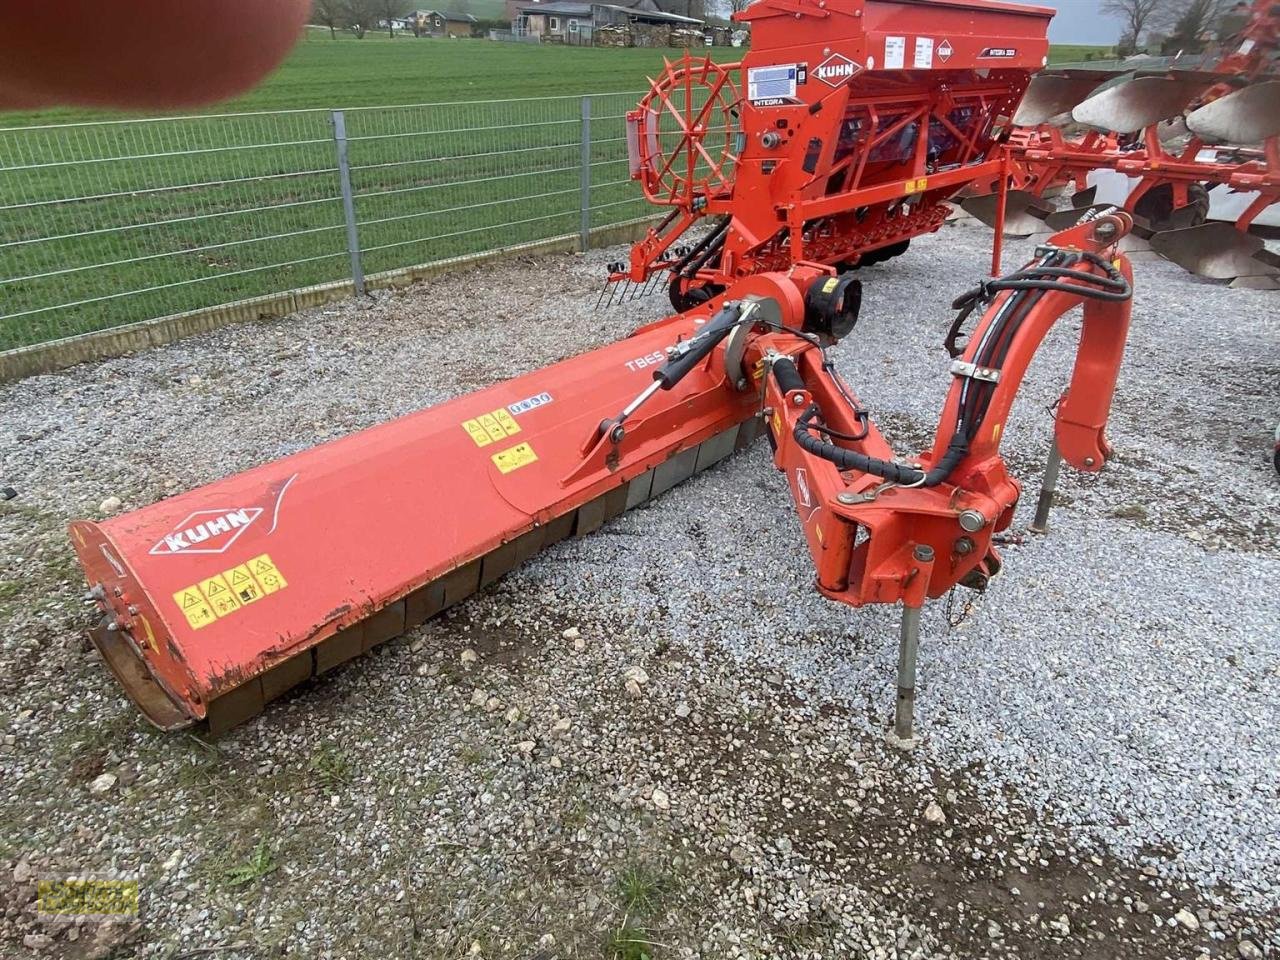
x: 1217, y: 251
x: 1243, y: 117
x: 1133, y: 105
x: 602, y: 293
x: 1051, y: 97
x: 1024, y: 215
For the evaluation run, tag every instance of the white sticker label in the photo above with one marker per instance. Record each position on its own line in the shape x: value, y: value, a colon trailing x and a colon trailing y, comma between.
x: 772, y: 83
x: 924, y: 53
x: 895, y: 52
x: 529, y: 403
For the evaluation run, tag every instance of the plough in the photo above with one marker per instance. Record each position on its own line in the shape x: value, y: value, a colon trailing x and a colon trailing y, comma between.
x: 1194, y: 154
x: 215, y: 602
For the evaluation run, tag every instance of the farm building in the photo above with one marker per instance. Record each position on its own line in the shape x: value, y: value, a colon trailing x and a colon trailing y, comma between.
x: 640, y: 24
x: 443, y: 23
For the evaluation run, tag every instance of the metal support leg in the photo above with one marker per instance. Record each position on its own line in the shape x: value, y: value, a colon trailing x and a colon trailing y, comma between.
x: 1051, y: 470
x: 904, y: 714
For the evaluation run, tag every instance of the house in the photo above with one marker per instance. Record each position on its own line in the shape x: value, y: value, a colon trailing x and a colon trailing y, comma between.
x: 640, y: 23
x: 443, y: 23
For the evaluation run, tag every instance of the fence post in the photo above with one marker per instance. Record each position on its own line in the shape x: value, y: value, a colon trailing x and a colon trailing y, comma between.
x: 584, y: 229
x: 348, y: 201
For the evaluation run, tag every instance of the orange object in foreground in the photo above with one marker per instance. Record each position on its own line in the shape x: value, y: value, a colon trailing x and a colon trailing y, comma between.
x: 217, y: 601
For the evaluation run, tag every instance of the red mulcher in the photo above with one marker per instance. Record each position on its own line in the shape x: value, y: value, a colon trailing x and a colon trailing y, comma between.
x: 217, y: 601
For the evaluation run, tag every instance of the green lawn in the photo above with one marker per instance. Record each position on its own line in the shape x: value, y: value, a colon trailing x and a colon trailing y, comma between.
x: 327, y: 73
x: 1076, y: 52
x: 378, y: 70
x: 178, y: 214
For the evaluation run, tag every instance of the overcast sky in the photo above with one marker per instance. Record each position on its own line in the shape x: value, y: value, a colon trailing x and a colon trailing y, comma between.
x: 1080, y: 21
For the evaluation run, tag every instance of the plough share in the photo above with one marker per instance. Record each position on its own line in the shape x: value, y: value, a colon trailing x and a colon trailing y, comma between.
x: 1194, y: 154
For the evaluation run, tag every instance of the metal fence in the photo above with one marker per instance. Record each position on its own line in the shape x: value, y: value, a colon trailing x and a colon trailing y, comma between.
x: 107, y: 223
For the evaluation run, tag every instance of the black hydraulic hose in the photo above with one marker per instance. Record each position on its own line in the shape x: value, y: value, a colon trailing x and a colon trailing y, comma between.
x: 701, y: 245
x: 885, y: 469
x: 1029, y: 287
x: 789, y: 379
x: 712, y: 250
x: 689, y: 353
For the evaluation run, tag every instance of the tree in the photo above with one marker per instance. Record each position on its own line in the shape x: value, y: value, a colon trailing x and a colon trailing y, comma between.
x: 1136, y: 15
x: 1191, y: 24
x: 389, y: 10
x: 360, y: 15
x: 737, y: 6
x: 328, y: 13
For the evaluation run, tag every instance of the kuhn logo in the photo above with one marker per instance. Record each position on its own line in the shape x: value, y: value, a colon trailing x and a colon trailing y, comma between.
x: 208, y: 531
x: 802, y: 486
x: 836, y: 69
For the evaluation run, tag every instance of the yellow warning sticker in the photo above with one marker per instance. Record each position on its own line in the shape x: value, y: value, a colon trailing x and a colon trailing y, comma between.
x: 267, y: 574
x: 490, y: 424
x: 477, y: 432
x: 194, y: 606
x: 219, y: 595
x: 242, y: 584
x: 830, y: 284
x: 917, y: 186
x: 491, y: 427
x: 514, y: 458
x: 506, y: 422
x: 205, y: 602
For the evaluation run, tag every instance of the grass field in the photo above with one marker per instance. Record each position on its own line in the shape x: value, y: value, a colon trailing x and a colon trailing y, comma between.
x: 346, y: 72
x: 177, y: 214
x: 378, y: 70
x: 1077, y: 52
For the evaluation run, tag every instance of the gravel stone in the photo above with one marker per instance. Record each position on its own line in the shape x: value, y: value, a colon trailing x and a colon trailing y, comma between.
x: 103, y: 784
x: 1099, y: 726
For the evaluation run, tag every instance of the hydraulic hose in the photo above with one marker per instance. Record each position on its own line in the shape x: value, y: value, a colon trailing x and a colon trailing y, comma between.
x: 1029, y: 286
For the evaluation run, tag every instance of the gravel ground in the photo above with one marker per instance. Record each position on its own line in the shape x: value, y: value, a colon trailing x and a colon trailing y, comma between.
x: 1099, y: 774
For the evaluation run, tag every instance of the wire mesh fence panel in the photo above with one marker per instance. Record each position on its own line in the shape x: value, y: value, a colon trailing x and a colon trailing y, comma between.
x: 615, y: 197
x: 441, y: 181
x: 109, y: 223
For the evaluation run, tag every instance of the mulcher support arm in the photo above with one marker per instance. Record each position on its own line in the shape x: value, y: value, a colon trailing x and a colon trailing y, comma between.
x: 880, y: 531
x: 1082, y: 412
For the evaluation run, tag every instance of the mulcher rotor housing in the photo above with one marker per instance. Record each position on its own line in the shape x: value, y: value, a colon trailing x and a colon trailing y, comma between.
x: 215, y: 602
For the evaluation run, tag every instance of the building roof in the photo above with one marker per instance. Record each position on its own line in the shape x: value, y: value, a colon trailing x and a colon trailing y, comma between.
x: 649, y: 14
x: 565, y: 8
x: 570, y: 9
x: 447, y: 15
